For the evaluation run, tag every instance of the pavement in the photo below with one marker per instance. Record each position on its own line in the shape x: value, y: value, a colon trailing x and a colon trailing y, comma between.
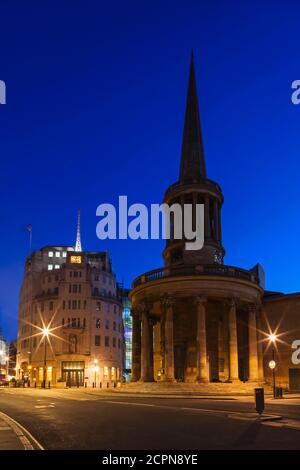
x: 95, y: 419
x: 13, y: 436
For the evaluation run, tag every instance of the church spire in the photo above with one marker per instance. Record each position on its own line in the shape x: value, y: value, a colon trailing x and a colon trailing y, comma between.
x: 78, y: 239
x: 192, y: 166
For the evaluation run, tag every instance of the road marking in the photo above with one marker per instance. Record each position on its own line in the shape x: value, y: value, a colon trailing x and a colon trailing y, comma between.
x: 133, y: 404
x: 21, y: 432
x: 44, y: 406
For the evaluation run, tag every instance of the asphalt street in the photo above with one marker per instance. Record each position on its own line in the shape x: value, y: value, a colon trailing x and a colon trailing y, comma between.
x: 81, y: 419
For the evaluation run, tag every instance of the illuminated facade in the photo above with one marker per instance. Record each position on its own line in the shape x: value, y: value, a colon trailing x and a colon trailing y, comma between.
x: 196, y: 320
x: 74, y: 295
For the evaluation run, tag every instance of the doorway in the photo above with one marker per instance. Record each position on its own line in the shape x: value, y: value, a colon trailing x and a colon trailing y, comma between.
x: 73, y: 373
x: 294, y: 379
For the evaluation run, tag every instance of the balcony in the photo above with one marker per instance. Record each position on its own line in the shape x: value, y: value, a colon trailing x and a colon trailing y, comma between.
x: 208, y: 270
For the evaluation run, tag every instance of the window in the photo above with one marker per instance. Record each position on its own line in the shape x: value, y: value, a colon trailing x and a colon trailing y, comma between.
x: 57, y: 254
x: 114, y: 326
x: 114, y: 342
x: 107, y: 324
x: 74, y: 304
x: 73, y: 322
x: 107, y: 341
x: 50, y: 267
x: 63, y: 322
x: 97, y: 278
x: 98, y: 306
x: 119, y: 343
x: 78, y: 322
x: 115, y: 309
x: 84, y: 324
x: 84, y: 304
x: 74, y: 288
x: 50, y: 254
x: 64, y: 254
x: 51, y: 305
x: 97, y: 340
x: 98, y: 323
x: 56, y: 266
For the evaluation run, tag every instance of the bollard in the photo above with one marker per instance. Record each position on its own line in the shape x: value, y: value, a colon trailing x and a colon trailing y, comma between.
x: 49, y: 384
x: 259, y: 400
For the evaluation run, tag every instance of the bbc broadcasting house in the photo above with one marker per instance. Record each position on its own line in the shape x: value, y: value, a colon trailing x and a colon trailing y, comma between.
x: 70, y: 330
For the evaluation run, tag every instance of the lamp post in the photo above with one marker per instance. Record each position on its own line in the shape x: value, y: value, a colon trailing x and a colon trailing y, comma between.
x: 7, y: 366
x: 272, y: 363
x: 96, y: 368
x: 45, y: 332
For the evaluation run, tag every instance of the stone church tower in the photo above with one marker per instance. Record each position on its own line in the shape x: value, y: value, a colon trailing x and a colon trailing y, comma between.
x: 196, y: 319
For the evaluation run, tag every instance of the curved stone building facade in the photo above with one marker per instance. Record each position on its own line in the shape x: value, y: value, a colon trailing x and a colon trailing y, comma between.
x: 74, y: 295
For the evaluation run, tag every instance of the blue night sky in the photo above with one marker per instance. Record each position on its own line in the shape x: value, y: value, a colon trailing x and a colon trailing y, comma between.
x: 95, y: 104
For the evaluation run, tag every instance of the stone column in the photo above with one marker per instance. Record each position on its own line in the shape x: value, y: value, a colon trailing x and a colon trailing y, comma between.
x: 233, y: 346
x: 260, y: 345
x: 206, y: 218
x: 169, y: 339
x: 216, y: 217
x: 136, y: 346
x: 253, y: 352
x: 201, y: 340
x: 147, y: 337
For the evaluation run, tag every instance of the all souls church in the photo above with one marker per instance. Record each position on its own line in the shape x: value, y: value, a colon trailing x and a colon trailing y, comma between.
x: 198, y: 320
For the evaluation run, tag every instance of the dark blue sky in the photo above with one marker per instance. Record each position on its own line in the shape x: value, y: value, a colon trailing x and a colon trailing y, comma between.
x: 95, y: 104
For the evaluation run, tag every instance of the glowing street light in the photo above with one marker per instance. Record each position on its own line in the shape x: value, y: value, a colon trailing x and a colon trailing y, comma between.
x: 272, y: 363
x: 96, y: 368
x: 45, y: 333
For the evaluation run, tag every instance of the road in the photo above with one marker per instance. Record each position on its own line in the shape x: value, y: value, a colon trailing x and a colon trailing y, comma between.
x: 79, y: 419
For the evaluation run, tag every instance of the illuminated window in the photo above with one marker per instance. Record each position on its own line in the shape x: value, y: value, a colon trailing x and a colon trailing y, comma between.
x: 56, y: 266
x: 113, y: 373
x: 105, y: 371
x: 75, y: 259
x: 50, y: 254
x: 57, y: 254
x: 98, y: 323
x: 50, y: 267
x: 64, y: 254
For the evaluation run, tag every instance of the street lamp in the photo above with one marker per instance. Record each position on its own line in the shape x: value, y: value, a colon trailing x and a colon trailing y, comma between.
x: 7, y: 365
x: 45, y: 332
x: 272, y: 363
x: 96, y: 368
